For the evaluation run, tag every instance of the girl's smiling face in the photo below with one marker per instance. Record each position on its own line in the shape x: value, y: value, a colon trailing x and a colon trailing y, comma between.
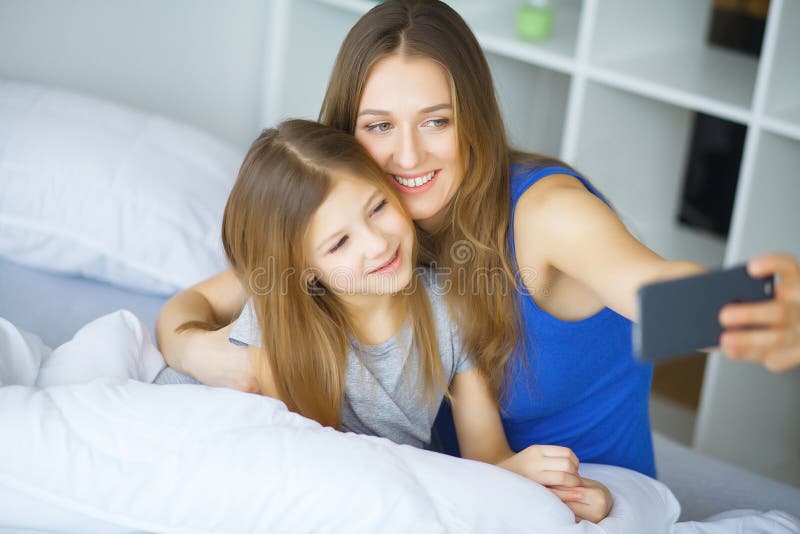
x: 406, y: 121
x: 358, y: 241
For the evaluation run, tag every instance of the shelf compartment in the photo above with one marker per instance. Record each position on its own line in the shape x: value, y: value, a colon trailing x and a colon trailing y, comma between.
x: 790, y: 127
x: 783, y: 91
x: 494, y: 25
x: 305, y: 79
x: 708, y: 79
x: 635, y: 150
x: 676, y: 241
x: 771, y: 199
x: 660, y: 50
x: 358, y: 7
x: 533, y: 101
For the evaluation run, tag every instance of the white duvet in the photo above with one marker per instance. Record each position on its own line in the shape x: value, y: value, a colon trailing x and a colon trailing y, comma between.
x: 88, y: 445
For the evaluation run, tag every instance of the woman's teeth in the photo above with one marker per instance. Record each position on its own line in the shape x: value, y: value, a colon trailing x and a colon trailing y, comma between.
x: 414, y: 182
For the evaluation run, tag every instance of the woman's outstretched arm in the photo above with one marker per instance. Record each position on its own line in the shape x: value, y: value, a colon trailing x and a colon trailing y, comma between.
x: 203, y: 351
x: 561, y: 225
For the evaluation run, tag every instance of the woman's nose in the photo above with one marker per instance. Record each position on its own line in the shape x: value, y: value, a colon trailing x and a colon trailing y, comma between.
x: 408, y: 150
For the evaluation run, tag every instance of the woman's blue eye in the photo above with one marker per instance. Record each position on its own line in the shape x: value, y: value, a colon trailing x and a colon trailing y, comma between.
x: 338, y: 244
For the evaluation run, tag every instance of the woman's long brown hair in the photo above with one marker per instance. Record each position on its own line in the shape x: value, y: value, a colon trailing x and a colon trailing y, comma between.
x: 286, y: 175
x: 472, y: 244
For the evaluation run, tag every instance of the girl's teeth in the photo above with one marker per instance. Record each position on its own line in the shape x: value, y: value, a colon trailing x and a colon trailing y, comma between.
x: 415, y: 182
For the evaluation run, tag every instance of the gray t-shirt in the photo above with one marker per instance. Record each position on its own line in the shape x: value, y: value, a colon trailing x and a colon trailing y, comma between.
x: 384, y: 395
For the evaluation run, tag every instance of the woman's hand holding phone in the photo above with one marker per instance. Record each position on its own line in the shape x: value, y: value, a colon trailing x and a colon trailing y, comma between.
x: 767, y: 332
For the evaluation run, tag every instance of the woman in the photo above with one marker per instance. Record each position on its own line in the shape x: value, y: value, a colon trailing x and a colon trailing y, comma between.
x: 412, y: 84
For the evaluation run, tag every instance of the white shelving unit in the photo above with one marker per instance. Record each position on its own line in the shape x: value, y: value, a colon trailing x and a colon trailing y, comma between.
x: 613, y: 91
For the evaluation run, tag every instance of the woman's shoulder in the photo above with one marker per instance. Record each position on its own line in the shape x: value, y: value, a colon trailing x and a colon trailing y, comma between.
x: 552, y: 196
x: 554, y: 209
x: 539, y: 181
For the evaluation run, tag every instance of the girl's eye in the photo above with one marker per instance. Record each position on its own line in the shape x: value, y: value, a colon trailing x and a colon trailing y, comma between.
x: 438, y: 123
x: 339, y: 244
x: 380, y: 206
x: 379, y: 127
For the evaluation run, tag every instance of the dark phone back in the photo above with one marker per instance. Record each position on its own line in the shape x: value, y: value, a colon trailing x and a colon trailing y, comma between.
x: 680, y: 316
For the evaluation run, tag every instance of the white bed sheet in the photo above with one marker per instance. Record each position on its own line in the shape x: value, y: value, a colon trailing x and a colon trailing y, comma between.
x: 55, y: 306
x: 116, y: 455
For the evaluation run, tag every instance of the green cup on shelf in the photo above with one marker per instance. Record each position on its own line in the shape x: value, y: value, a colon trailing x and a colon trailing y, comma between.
x: 534, y: 20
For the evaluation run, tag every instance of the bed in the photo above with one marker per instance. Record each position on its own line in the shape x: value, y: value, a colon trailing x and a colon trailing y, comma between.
x: 55, y: 306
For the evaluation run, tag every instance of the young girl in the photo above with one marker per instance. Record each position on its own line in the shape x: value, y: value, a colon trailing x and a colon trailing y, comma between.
x: 341, y: 325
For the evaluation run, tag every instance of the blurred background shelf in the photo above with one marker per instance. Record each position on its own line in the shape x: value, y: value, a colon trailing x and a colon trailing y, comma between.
x: 706, y: 79
x: 789, y: 128
x: 494, y: 25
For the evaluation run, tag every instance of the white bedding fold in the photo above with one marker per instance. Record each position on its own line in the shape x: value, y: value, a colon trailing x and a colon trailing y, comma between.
x: 119, y: 455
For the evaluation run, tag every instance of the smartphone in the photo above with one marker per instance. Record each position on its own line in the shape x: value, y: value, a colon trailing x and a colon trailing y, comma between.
x: 681, y: 316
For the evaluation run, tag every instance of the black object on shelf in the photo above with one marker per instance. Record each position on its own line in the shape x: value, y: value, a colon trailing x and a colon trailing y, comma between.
x: 715, y: 154
x: 738, y: 29
x: 712, y: 174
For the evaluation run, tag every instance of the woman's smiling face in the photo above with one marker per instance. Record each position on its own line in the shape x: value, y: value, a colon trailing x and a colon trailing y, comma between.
x: 406, y: 121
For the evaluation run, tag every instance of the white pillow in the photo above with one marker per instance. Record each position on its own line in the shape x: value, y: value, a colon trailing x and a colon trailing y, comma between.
x: 118, y: 456
x: 21, y: 355
x: 115, y: 345
x: 105, y: 191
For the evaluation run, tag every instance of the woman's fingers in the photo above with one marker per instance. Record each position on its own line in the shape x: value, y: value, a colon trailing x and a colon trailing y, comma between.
x: 567, y: 494
x: 558, y: 478
x: 752, y: 344
x: 559, y: 464
x: 784, y: 265
x: 778, y: 350
x: 549, y: 465
x: 556, y: 451
x: 782, y: 360
x: 767, y: 332
x: 767, y: 313
x: 594, y: 506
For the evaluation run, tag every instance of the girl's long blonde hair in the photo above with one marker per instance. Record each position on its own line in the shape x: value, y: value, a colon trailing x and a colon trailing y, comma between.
x: 285, y: 176
x: 472, y: 245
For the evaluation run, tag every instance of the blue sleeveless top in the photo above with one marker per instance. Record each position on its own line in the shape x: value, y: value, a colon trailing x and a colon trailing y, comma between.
x: 576, y: 383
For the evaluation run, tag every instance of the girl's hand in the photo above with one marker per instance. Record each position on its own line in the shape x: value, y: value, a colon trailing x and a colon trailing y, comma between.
x: 549, y: 465
x: 590, y: 500
x: 775, y: 340
x: 215, y: 361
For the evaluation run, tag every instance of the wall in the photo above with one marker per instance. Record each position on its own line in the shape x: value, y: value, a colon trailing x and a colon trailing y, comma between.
x: 198, y: 61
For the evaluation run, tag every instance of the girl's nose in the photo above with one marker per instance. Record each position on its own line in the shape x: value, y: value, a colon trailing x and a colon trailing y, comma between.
x: 376, y: 244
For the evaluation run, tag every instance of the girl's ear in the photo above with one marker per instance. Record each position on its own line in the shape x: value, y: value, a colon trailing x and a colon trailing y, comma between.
x: 313, y: 285
x: 309, y: 276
